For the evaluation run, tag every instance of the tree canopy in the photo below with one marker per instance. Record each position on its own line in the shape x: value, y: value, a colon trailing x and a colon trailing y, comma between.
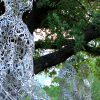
x: 73, y: 30
x: 72, y: 24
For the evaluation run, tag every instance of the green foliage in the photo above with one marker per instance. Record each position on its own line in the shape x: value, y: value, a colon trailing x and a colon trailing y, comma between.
x: 39, y: 4
x: 55, y: 80
x: 52, y: 73
x: 95, y: 87
x: 37, y: 53
x: 45, y: 3
x: 28, y: 98
x: 70, y: 20
x: 96, y: 22
x: 82, y: 57
x: 52, y: 91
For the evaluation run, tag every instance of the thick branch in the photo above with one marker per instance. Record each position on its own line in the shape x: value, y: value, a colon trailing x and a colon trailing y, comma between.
x: 61, y: 55
x: 36, y: 16
x: 53, y: 58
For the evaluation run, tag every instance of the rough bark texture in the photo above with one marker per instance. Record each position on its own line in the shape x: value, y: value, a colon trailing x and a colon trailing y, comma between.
x: 33, y: 22
x: 53, y: 58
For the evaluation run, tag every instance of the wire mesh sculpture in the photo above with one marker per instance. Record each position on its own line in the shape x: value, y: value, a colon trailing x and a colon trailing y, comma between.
x: 16, y: 54
x: 72, y: 87
x: 84, y: 86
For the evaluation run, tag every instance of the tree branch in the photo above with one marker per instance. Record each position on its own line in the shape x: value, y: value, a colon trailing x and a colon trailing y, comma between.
x: 36, y: 16
x: 51, y: 45
x: 53, y: 59
x: 93, y: 50
x: 61, y: 55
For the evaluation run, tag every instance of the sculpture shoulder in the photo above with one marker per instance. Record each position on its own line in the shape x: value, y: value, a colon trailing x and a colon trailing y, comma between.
x: 22, y: 28
x: 2, y: 18
x: 13, y: 25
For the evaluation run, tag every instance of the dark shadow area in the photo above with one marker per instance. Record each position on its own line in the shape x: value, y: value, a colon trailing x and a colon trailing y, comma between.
x: 2, y: 7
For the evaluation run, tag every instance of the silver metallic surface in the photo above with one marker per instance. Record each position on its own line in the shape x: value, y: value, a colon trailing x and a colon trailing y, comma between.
x: 16, y: 55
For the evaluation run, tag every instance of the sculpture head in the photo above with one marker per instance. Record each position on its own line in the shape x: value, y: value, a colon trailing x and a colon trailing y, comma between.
x: 18, y: 5
x: 85, y: 70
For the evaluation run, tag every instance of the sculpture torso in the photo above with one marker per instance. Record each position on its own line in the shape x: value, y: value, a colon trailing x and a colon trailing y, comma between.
x: 15, y: 39
x: 16, y: 56
x: 72, y: 87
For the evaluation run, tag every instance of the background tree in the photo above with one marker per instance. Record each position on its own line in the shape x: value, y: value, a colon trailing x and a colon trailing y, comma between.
x: 72, y: 24
x: 73, y: 30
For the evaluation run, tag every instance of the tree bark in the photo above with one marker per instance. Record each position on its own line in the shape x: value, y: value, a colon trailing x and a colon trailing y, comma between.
x: 36, y: 16
x: 61, y: 55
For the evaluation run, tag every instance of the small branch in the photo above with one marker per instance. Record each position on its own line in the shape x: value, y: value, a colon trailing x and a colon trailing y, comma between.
x: 93, y: 50
x: 52, y: 45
